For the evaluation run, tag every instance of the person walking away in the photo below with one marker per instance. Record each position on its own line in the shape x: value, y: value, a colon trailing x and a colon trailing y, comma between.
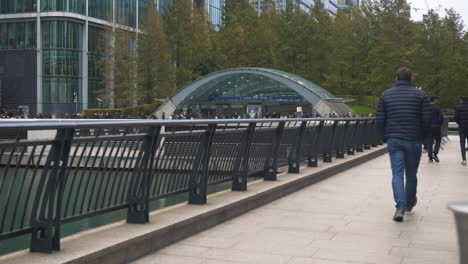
x: 461, y: 117
x: 404, y: 117
x: 435, y: 135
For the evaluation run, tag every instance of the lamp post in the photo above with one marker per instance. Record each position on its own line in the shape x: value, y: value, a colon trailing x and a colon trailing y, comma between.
x: 75, y: 100
x: 99, y: 102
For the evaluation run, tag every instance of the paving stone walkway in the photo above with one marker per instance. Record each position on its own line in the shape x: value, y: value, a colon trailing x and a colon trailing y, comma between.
x: 344, y: 219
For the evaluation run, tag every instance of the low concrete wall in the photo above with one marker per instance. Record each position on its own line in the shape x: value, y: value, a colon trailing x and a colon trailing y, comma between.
x: 121, y: 242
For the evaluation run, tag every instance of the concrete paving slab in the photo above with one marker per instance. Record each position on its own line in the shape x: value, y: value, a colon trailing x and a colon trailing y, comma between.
x: 347, y: 219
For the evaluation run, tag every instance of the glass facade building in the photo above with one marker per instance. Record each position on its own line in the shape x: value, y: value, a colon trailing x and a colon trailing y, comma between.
x: 215, y: 11
x: 330, y: 5
x: 49, y: 63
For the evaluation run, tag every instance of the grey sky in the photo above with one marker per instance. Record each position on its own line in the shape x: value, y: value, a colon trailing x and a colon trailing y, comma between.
x: 419, y: 7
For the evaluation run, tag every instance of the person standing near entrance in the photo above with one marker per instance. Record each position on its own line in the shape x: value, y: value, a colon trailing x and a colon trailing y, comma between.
x: 461, y: 117
x: 435, y: 135
x: 404, y: 117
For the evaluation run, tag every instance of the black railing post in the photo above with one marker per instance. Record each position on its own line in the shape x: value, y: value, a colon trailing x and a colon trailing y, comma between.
x: 47, y: 205
x: 199, y: 177
x: 328, y: 156
x: 373, y: 130
x: 367, y: 136
x: 342, y: 141
x: 295, y: 156
x: 313, y: 161
x: 271, y: 169
x: 359, y: 135
x: 350, y: 147
x: 241, y: 166
x: 138, y: 191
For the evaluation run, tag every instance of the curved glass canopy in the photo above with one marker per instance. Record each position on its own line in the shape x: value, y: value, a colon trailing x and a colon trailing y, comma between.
x: 237, y: 88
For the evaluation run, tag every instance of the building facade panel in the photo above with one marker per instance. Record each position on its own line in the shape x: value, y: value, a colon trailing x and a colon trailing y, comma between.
x: 101, y: 9
x: 17, y: 6
x: 18, y: 78
x: 72, y: 6
x: 61, y: 64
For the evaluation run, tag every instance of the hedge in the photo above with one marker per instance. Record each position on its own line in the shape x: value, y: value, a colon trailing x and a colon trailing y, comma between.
x: 132, y: 111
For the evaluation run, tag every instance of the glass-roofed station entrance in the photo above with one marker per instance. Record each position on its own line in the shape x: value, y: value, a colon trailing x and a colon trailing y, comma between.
x: 254, y: 92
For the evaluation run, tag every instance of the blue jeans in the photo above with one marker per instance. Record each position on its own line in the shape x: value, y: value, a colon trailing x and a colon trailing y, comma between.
x: 404, y: 158
x: 463, y: 140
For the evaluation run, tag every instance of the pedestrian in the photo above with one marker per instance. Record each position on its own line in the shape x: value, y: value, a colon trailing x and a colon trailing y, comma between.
x: 461, y: 117
x: 435, y: 134
x: 403, y: 116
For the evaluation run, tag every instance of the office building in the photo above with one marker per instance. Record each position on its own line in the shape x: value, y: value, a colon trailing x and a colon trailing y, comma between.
x: 49, y: 50
x: 305, y: 5
x: 346, y: 4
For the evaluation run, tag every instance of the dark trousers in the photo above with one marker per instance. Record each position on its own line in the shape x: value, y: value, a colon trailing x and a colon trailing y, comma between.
x: 434, y: 141
x: 463, y: 139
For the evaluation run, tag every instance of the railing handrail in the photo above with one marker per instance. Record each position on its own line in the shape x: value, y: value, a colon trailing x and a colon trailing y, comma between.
x: 48, y: 183
x: 103, y: 123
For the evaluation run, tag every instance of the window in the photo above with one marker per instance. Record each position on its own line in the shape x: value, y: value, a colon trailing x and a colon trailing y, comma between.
x: 101, y: 9
x: 96, y: 38
x: 73, y: 6
x: 126, y: 12
x: 61, y: 60
x: 3, y: 36
x: 19, y: 40
x: 17, y: 6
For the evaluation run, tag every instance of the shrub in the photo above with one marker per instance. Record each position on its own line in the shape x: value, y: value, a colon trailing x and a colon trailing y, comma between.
x: 132, y: 111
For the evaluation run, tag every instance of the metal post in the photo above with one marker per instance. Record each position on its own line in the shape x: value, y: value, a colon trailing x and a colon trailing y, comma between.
x: 241, y: 166
x: 271, y: 169
x: 359, y: 147
x: 313, y: 161
x: 47, y: 205
x: 295, y: 156
x: 373, y: 129
x: 367, y: 136
x: 328, y: 156
x: 138, y: 192
x: 199, y: 177
x: 341, y: 146
x: 352, y: 141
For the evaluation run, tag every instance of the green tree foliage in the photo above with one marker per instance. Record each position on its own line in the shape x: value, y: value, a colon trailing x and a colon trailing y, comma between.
x: 155, y: 71
x: 353, y: 55
x: 119, y: 70
x: 187, y: 33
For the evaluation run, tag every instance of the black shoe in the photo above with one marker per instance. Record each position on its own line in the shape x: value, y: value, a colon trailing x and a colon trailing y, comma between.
x: 410, y: 208
x: 399, y: 215
x: 436, y: 158
x: 431, y: 160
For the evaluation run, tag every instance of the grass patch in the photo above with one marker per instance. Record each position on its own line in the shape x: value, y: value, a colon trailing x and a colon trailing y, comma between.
x: 362, y: 110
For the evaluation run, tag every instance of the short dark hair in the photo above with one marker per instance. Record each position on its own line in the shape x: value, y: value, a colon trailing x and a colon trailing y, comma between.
x: 403, y: 74
x: 433, y: 98
x: 464, y: 98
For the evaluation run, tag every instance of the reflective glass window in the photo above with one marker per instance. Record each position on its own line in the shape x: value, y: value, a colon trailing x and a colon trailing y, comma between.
x: 3, y: 36
x: 19, y: 36
x: 61, y: 61
x: 126, y: 12
x: 73, y: 6
x: 101, y: 9
x: 11, y: 36
x: 96, y: 38
x: 17, y: 6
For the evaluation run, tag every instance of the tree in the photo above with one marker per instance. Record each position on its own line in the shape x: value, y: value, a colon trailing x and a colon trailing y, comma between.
x: 119, y: 70
x: 155, y: 71
x: 189, y: 45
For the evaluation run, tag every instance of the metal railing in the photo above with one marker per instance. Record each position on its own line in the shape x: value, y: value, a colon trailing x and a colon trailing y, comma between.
x: 49, y: 182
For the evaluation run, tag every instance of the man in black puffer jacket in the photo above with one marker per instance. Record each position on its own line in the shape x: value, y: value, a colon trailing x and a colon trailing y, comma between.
x: 435, y: 136
x: 461, y: 117
x: 404, y: 116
